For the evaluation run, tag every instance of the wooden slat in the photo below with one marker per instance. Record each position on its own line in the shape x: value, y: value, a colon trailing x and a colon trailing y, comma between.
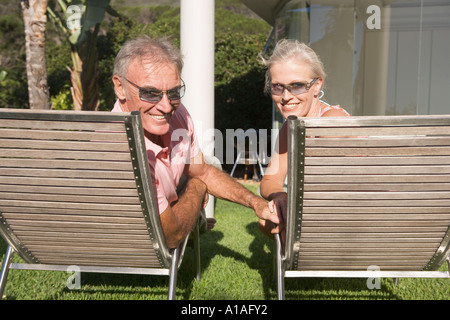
x: 101, y: 183
x: 332, y: 216
x: 98, y: 259
x: 70, y: 198
x: 379, y: 186
x: 79, y: 225
x: 425, y: 211
x: 354, y: 253
x: 126, y: 261
x: 54, y: 173
x: 89, y: 243
x: 359, y: 268
x: 34, y: 230
x: 398, y: 258
x: 119, y: 146
x: 377, y: 229
x: 74, y: 237
x: 61, y: 125
x: 393, y: 178
x: 366, y: 195
x: 70, y: 205
x: 377, y: 160
x: 342, y: 260
x: 63, y: 135
x: 55, y: 154
x: 98, y: 212
x: 65, y: 164
x: 364, y: 238
x: 92, y: 248
x: 24, y: 189
x: 372, y: 223
x: 368, y: 203
x: 128, y: 258
x: 353, y: 132
x: 389, y: 141
x: 84, y: 241
x: 381, y: 170
x: 63, y: 219
x: 71, y: 218
x: 370, y: 121
x: 395, y: 151
x: 396, y: 246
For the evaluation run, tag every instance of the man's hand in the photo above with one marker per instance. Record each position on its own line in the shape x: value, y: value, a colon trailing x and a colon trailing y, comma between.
x: 277, y: 207
x: 265, y: 210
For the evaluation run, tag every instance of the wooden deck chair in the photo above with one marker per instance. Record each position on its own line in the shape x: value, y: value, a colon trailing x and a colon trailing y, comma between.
x: 368, y: 197
x: 75, y: 190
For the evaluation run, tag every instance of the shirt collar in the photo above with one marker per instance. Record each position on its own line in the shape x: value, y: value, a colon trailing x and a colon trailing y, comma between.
x: 155, y: 150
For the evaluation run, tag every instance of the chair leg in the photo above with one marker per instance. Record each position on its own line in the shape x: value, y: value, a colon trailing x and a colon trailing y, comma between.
x: 197, y: 261
x: 280, y: 273
x: 261, y: 168
x: 396, y: 281
x: 5, y: 269
x: 235, y: 164
x: 173, y: 275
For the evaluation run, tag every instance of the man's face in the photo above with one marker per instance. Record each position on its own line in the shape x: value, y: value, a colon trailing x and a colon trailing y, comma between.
x: 147, y: 75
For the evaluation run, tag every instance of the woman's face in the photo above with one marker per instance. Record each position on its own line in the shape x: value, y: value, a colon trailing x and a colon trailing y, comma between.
x: 288, y: 73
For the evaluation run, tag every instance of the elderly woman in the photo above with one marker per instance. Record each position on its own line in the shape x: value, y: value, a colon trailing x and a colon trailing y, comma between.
x: 294, y: 78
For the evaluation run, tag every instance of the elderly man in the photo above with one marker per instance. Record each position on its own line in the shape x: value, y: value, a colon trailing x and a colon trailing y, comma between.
x: 147, y: 78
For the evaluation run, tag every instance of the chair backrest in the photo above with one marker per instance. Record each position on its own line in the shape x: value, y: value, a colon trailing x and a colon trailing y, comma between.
x: 75, y: 189
x: 368, y: 191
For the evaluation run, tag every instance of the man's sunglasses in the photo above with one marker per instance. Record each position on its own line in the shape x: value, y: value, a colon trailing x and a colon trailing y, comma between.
x: 294, y: 88
x: 154, y: 95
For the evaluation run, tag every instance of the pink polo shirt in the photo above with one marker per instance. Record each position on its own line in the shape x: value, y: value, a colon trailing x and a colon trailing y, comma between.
x: 167, y: 164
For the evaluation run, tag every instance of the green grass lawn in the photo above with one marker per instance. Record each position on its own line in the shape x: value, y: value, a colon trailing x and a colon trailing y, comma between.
x: 237, y: 264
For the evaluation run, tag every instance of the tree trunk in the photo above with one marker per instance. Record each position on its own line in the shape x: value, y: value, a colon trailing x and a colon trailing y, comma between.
x: 35, y: 19
x: 84, y: 75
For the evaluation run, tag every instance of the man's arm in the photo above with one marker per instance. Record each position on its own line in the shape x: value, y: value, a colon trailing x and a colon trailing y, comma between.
x: 178, y: 220
x: 222, y: 186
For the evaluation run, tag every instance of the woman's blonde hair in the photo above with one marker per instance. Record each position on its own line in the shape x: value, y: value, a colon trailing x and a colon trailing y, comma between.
x: 289, y: 49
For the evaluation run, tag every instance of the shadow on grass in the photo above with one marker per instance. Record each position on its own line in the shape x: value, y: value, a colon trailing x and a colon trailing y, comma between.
x: 335, y: 289
x: 104, y: 285
x: 263, y: 260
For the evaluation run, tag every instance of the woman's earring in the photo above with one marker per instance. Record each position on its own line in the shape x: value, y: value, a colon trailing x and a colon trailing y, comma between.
x: 321, y: 94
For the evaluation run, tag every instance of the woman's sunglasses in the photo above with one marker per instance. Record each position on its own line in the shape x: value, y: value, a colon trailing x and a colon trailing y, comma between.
x: 294, y: 88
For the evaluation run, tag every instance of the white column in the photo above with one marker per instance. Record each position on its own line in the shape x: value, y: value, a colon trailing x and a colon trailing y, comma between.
x: 197, y: 47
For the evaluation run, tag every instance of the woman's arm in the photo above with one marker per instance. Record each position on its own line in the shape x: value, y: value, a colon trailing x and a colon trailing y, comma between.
x: 272, y: 184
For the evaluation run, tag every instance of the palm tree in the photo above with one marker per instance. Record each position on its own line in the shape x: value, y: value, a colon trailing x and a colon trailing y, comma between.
x: 80, y: 24
x: 35, y: 20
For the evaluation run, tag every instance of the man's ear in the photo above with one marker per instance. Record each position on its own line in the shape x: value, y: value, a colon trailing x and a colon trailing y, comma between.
x: 119, y: 88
